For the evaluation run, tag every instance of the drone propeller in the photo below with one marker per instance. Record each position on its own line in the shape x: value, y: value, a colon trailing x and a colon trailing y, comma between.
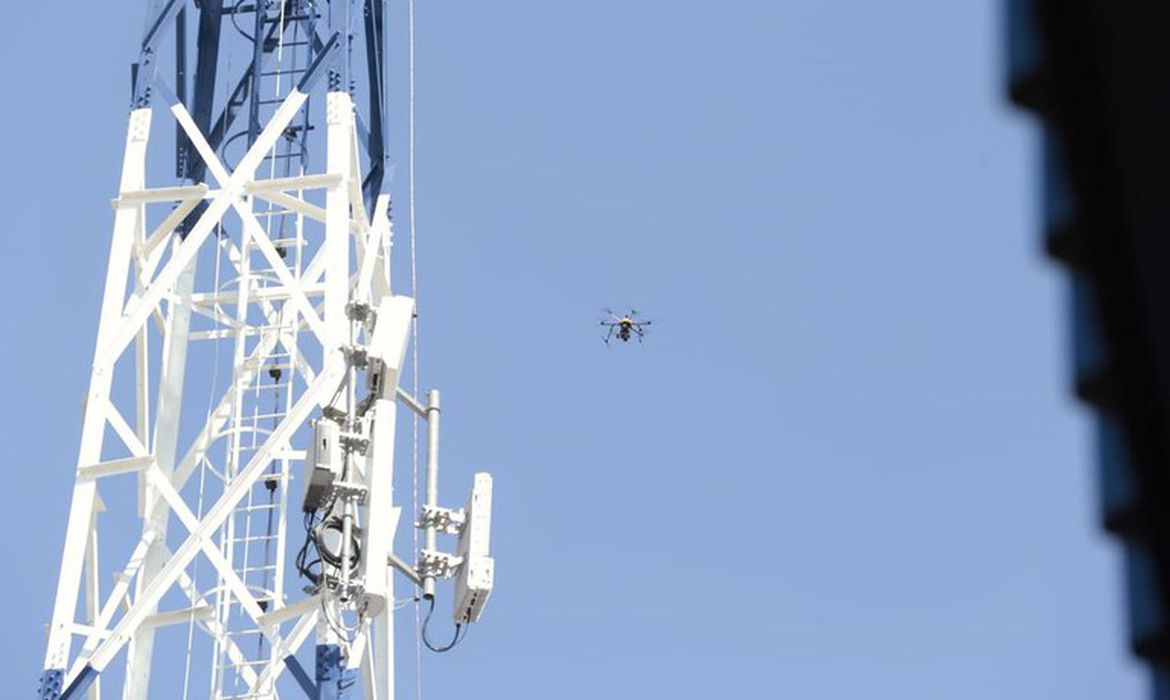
x: 608, y: 335
x: 634, y: 316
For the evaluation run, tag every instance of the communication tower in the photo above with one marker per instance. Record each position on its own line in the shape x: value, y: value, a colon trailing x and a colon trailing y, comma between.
x: 236, y: 464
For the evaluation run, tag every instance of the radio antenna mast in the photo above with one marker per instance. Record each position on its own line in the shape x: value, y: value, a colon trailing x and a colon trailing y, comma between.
x: 245, y: 378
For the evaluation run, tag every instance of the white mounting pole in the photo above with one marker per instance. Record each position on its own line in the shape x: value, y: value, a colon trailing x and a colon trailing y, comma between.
x: 432, y: 492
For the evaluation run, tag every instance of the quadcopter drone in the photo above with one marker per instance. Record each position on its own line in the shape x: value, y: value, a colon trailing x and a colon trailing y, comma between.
x: 624, y: 327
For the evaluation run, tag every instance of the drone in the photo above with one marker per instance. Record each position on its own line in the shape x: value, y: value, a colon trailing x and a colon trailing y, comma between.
x: 624, y: 327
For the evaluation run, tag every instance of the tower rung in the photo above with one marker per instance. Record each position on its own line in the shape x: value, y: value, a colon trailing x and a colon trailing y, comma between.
x: 264, y: 416
x: 241, y: 664
x: 255, y: 538
x: 253, y: 509
x: 244, y: 633
x: 275, y: 19
x: 267, y: 387
x: 248, y: 569
x: 262, y: 362
x: 236, y: 603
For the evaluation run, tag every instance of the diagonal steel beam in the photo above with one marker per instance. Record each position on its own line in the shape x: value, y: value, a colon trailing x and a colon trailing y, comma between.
x: 328, y: 382
x: 146, y: 68
x: 282, y: 649
x: 179, y: 507
x: 186, y: 252
x: 296, y: 293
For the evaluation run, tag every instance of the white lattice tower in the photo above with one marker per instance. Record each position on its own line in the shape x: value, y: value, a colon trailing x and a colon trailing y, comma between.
x: 245, y: 376
x: 290, y: 306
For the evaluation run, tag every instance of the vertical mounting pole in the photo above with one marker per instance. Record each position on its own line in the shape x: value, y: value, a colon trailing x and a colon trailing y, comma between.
x: 351, y: 426
x: 432, y: 495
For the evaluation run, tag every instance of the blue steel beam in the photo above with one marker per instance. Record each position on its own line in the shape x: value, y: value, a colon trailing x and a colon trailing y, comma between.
x: 181, y: 144
x: 146, y: 67
x: 375, y: 142
x: 334, y: 680
x: 297, y: 671
x: 241, y: 93
x: 258, y: 48
x: 191, y: 165
x: 206, y: 71
x: 323, y: 62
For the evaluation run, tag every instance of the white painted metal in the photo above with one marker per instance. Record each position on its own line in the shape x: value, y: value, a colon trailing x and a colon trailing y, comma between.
x: 300, y: 315
x: 274, y: 325
x: 430, y: 541
x: 126, y: 220
x: 473, y: 582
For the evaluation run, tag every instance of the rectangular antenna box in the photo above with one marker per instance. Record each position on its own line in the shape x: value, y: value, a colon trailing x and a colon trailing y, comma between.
x: 473, y: 582
x: 323, y: 461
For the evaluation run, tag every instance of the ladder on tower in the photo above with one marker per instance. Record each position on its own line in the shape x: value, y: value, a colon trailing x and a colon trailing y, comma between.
x: 253, y: 538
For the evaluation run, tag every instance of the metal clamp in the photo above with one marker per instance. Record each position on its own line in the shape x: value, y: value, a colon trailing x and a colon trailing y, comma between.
x: 357, y: 355
x: 444, y: 520
x: 349, y: 490
x: 359, y: 311
x: 355, y: 442
x: 438, y: 564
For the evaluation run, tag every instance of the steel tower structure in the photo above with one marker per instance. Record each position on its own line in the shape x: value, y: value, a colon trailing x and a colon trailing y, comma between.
x: 245, y: 371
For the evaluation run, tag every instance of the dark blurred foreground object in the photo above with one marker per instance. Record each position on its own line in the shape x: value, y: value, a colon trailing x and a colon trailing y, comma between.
x: 1097, y: 74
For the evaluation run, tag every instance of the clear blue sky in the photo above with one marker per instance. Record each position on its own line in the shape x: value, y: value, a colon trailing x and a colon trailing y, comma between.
x: 845, y: 463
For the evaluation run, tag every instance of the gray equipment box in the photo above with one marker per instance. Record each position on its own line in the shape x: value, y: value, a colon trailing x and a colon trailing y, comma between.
x: 323, y: 464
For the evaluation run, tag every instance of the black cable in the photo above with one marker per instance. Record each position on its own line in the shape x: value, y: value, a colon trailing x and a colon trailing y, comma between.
x: 312, y: 531
x: 270, y: 483
x: 454, y: 640
x: 236, y: 24
x: 329, y: 556
x: 305, y: 567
